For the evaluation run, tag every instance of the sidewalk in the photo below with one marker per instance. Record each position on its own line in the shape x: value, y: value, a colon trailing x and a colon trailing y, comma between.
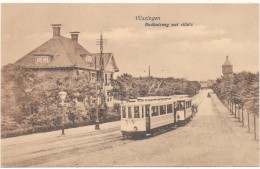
x: 68, y: 132
x: 245, y: 114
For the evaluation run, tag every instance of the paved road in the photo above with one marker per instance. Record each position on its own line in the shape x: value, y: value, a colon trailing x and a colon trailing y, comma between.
x: 212, y: 138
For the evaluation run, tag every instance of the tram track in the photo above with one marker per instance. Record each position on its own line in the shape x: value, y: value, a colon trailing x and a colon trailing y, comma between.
x: 54, y: 152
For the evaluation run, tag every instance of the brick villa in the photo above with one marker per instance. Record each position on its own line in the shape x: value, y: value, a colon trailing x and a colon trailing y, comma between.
x: 62, y: 55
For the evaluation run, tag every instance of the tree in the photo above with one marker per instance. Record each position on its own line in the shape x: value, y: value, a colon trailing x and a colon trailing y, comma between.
x: 242, y: 87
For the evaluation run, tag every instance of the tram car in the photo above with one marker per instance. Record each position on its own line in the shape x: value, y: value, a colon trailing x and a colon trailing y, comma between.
x: 150, y: 114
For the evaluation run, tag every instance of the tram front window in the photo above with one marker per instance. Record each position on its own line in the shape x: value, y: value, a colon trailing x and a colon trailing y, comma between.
x: 181, y: 105
x: 136, y: 112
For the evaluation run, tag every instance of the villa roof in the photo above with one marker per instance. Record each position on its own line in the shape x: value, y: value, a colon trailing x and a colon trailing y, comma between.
x: 64, y: 52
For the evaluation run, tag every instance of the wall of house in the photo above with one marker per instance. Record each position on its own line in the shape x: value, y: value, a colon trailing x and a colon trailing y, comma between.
x: 58, y: 73
x: 54, y: 73
x: 90, y: 75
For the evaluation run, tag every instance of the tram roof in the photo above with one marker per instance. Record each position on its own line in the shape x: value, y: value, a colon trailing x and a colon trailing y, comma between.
x: 140, y: 103
x: 156, y: 102
x: 161, y: 97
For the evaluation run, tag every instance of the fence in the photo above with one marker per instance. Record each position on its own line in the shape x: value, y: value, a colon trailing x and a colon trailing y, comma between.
x: 250, y: 120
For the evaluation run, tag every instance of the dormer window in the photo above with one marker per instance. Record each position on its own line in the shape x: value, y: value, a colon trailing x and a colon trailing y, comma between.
x: 88, y: 58
x: 42, y: 59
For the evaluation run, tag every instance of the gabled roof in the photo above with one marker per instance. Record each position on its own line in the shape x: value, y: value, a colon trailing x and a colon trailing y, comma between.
x: 227, y: 62
x: 108, y: 58
x: 64, y: 53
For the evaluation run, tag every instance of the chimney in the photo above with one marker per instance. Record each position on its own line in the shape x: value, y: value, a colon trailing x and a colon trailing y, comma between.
x: 74, y: 36
x: 56, y: 29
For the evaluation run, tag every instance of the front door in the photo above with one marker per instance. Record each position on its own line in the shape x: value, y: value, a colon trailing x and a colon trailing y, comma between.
x: 147, y: 117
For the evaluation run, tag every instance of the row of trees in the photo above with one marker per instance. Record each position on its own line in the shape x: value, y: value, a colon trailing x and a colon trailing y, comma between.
x: 240, y: 87
x: 30, y: 103
x: 126, y: 86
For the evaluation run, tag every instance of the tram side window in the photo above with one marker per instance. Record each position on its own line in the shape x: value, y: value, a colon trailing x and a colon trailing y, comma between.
x: 155, y: 111
x: 129, y: 112
x: 162, y: 109
x: 169, y: 108
x: 123, y: 112
x: 136, y: 112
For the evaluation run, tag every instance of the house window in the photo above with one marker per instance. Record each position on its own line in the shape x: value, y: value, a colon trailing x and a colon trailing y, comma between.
x: 42, y: 59
x: 88, y: 58
x: 92, y: 76
x: 109, y: 93
x: 108, y: 77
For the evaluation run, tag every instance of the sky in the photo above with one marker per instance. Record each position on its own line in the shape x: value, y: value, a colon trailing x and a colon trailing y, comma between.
x: 194, y: 52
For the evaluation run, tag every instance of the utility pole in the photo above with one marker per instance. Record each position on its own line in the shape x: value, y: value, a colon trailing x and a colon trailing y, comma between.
x: 96, y: 86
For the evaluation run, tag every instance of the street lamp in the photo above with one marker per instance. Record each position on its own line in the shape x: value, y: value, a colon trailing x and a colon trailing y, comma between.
x: 63, y: 95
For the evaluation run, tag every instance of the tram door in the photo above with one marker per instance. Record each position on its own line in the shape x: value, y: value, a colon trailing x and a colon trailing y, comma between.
x: 184, y: 103
x: 175, y: 111
x: 147, y: 117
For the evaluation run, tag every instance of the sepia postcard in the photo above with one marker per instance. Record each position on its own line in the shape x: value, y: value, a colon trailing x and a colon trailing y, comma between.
x: 129, y: 85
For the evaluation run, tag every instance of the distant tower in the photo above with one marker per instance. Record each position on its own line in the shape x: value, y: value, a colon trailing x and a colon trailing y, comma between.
x: 227, y: 68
